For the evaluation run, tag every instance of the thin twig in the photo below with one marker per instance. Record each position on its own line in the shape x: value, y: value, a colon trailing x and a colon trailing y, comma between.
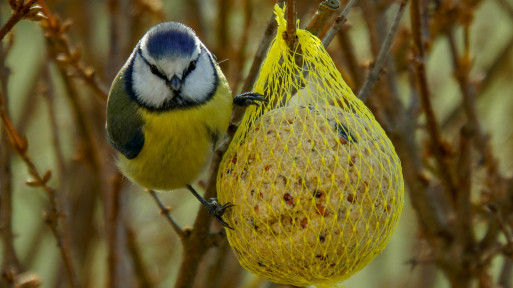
x: 31, y: 98
x: 322, y: 16
x: 119, y: 38
x: 10, y: 265
x: 383, y: 54
x: 243, y: 44
x: 227, y: 263
x: 165, y: 211
x: 20, y: 146
x: 488, y: 255
x: 350, y: 58
x: 266, y: 40
x: 506, y: 273
x: 339, y: 22
x: 196, y: 19
x: 492, y: 72
x: 119, y: 35
x: 497, y: 213
x: 465, y: 234
x: 141, y: 272
x: 87, y: 146
x: 224, y: 42
x: 113, y: 209
x: 67, y: 56
x: 375, y: 24
x: 49, y: 95
x: 432, y: 126
x: 290, y: 37
x: 461, y: 69
x: 16, y: 16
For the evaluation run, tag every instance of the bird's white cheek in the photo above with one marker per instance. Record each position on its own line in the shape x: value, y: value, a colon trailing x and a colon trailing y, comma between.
x: 200, y: 83
x: 148, y: 88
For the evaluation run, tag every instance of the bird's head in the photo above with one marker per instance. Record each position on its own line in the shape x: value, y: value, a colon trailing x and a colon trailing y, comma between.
x: 171, y: 68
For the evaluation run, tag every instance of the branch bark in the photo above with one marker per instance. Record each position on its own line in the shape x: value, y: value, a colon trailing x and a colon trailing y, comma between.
x: 16, y: 16
x: 339, y: 22
x: 436, y: 143
x: 10, y: 263
x: 373, y: 76
x: 291, y: 25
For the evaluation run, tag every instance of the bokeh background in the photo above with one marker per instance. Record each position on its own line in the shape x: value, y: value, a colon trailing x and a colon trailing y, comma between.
x: 55, y: 76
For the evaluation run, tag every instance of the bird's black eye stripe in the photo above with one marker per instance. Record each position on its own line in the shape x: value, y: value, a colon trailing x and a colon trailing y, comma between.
x: 191, y: 67
x: 153, y: 68
x: 156, y: 71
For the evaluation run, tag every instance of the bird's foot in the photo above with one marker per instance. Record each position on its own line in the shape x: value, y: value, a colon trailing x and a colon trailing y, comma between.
x: 213, y: 207
x: 217, y: 210
x: 248, y: 98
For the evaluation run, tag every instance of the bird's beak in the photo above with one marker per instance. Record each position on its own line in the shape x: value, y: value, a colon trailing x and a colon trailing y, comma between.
x: 175, y: 83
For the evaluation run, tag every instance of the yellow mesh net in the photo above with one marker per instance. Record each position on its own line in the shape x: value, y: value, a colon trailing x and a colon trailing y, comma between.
x: 317, y: 184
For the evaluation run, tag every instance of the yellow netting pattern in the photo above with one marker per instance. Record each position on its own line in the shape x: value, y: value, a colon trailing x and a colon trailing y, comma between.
x: 317, y: 184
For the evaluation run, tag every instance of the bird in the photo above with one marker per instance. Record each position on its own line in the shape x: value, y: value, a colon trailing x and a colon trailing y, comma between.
x: 168, y: 108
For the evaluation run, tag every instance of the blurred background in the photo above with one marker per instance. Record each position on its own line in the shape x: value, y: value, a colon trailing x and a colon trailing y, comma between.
x: 455, y: 141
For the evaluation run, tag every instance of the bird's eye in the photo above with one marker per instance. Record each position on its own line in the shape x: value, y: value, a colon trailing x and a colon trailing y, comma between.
x: 154, y: 70
x: 191, y: 67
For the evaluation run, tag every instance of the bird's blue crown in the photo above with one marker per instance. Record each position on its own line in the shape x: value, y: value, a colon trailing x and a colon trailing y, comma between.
x: 171, y: 39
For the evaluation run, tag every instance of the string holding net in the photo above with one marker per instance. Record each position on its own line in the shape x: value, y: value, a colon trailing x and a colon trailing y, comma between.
x: 316, y: 183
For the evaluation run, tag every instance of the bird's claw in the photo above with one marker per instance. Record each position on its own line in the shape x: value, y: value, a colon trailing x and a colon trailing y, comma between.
x: 248, y: 98
x: 217, y: 210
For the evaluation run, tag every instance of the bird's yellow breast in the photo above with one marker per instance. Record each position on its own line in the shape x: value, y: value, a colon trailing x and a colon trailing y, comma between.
x: 179, y: 143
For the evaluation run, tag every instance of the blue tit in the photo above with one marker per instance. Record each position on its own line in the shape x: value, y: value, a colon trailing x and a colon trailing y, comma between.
x: 168, y: 107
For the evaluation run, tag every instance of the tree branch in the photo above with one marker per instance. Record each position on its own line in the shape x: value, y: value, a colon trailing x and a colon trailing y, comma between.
x: 19, y: 13
x: 322, y: 16
x: 10, y: 262
x: 20, y: 146
x: 339, y: 22
x: 67, y: 56
x: 437, y: 145
x: 290, y: 37
x: 373, y: 76
x: 461, y: 67
x: 165, y: 211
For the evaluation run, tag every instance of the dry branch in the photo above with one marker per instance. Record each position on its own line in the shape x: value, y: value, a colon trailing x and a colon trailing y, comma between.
x: 437, y: 144
x: 461, y: 67
x: 322, y: 17
x: 143, y: 275
x: 339, y: 22
x: 21, y: 11
x: 373, y: 76
x: 265, y: 41
x: 243, y: 44
x: 67, y: 56
x: 20, y: 146
x: 350, y: 58
x: 10, y: 265
x: 290, y: 35
x: 165, y: 211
